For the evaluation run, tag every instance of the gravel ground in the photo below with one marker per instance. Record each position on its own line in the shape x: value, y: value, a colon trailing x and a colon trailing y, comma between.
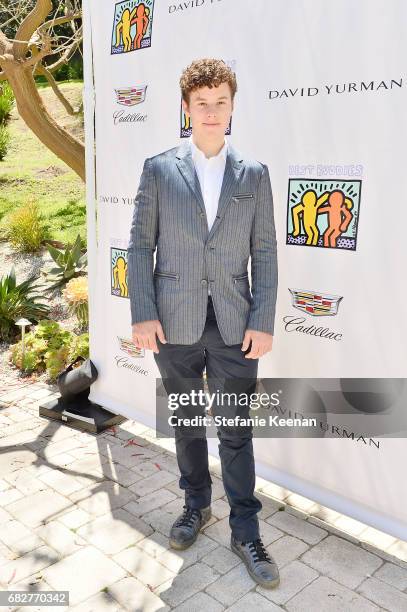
x: 27, y: 264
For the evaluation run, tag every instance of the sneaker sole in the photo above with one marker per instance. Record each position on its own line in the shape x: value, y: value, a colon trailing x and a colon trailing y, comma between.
x: 266, y: 584
x: 184, y: 545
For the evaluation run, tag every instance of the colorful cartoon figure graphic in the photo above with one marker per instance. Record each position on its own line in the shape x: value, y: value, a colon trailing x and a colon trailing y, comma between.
x: 141, y: 20
x: 132, y: 25
x: 119, y: 272
x: 123, y: 29
x: 187, y: 121
x: 323, y: 213
x: 307, y: 211
x: 339, y: 216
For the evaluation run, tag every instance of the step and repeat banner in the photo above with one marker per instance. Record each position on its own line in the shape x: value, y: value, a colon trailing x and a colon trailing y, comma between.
x: 322, y: 99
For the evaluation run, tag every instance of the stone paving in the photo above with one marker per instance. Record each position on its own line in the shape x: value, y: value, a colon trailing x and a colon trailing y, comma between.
x: 91, y: 514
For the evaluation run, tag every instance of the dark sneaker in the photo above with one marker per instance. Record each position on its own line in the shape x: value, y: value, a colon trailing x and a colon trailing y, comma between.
x: 187, y: 526
x: 260, y: 565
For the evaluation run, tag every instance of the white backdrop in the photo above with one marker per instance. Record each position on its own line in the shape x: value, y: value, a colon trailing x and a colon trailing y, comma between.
x: 322, y: 101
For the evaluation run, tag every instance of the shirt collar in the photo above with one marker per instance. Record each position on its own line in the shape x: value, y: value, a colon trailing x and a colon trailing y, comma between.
x: 198, y: 154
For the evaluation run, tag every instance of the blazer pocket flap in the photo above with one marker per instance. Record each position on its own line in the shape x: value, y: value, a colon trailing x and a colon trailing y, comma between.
x: 243, y: 196
x: 170, y: 275
x: 241, y: 277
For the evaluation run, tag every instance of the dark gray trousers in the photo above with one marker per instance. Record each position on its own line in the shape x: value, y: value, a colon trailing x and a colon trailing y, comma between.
x: 181, y: 368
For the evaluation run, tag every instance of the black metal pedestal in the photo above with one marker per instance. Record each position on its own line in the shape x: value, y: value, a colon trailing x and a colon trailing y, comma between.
x: 80, y: 413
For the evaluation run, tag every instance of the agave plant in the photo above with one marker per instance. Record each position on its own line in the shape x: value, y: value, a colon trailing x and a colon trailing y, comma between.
x: 18, y: 301
x: 70, y: 263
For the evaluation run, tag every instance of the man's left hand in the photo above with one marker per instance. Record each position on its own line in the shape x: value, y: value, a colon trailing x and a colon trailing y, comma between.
x: 262, y: 343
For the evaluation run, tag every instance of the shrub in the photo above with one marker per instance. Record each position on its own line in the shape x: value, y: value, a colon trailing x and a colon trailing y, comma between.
x: 75, y: 71
x: 4, y: 141
x: 18, y: 301
x: 49, y: 348
x: 26, y: 228
x: 79, y: 347
x: 56, y: 360
x: 61, y: 74
x: 6, y: 102
x: 71, y: 70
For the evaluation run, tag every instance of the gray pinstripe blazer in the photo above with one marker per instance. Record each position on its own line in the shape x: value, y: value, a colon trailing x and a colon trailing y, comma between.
x: 170, y: 216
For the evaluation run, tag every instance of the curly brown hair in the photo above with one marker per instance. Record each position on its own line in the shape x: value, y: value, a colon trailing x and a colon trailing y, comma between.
x: 206, y: 72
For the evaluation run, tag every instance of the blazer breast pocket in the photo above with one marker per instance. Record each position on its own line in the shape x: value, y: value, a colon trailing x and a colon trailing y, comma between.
x: 243, y: 196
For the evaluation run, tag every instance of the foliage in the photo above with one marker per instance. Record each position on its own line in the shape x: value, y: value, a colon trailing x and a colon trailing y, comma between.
x: 44, y: 42
x: 79, y: 347
x: 26, y: 228
x: 56, y: 359
x: 4, y: 141
x: 61, y: 74
x: 73, y: 70
x: 49, y: 348
x: 6, y: 102
x: 70, y: 263
x: 30, y: 170
x: 8, y: 8
x: 18, y: 301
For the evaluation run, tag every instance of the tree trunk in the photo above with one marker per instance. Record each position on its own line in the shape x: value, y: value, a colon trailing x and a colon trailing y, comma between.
x: 33, y: 112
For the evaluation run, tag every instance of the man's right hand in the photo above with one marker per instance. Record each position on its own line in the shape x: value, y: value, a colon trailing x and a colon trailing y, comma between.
x: 144, y: 335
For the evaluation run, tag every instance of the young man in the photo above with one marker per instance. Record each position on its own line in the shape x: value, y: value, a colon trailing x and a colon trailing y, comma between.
x: 207, y: 209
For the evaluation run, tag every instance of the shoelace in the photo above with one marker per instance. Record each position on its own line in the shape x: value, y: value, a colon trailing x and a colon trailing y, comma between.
x: 258, y: 551
x: 188, y: 517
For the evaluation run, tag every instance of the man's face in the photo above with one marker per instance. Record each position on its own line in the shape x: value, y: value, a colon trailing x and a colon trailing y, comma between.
x: 210, y: 110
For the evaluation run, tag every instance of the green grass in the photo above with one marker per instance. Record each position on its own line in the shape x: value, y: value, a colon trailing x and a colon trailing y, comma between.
x: 31, y: 171
x: 41, y: 82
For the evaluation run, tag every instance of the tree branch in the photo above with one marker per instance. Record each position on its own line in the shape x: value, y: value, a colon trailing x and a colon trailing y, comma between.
x: 21, y: 58
x: 32, y: 110
x: 38, y: 55
x: 66, y: 104
x: 5, y: 45
x: 65, y: 56
x: 15, y: 14
x: 58, y: 20
x: 29, y: 25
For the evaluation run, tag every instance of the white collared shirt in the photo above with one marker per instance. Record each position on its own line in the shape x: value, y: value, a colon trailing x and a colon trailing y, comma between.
x: 210, y: 173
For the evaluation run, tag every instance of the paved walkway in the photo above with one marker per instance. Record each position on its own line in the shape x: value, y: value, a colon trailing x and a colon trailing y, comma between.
x: 91, y: 514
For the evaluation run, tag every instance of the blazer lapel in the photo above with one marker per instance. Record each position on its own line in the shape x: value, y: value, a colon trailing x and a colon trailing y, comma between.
x: 233, y: 171
x: 186, y: 167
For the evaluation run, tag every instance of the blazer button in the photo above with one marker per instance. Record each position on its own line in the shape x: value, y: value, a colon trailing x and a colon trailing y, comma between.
x: 202, y: 215
x: 204, y: 281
